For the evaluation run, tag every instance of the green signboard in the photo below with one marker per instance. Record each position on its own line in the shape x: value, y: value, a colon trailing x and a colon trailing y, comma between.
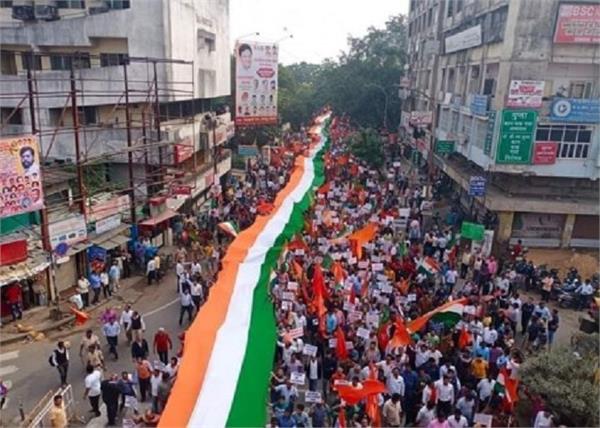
x: 516, y: 136
x: 472, y: 231
x: 489, y: 132
x: 444, y: 146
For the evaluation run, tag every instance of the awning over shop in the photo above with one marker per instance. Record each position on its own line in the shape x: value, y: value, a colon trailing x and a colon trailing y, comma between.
x: 77, y: 248
x: 35, y: 264
x: 164, y: 216
x: 111, y: 239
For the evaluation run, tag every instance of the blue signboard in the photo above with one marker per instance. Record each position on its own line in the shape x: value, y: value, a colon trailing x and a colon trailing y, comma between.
x: 477, y: 185
x: 247, y: 151
x: 479, y: 104
x: 575, y: 110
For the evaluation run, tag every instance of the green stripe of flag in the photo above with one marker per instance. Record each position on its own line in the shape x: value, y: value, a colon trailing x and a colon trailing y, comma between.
x: 251, y: 395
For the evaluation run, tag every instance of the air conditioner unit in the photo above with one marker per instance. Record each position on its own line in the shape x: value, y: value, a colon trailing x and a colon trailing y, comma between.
x: 97, y: 6
x: 23, y: 10
x: 46, y: 10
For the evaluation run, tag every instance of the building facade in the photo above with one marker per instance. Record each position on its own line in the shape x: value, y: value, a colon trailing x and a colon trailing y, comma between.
x: 145, y: 80
x: 507, y: 95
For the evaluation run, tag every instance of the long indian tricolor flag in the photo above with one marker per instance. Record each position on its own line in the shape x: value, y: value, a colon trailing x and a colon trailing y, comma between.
x: 224, y: 374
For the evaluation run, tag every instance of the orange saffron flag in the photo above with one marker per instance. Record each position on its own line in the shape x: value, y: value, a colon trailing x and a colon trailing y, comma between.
x: 464, y: 339
x: 401, y: 335
x: 361, y: 237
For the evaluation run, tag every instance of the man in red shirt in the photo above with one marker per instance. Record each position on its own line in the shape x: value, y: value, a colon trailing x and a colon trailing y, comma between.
x: 162, y: 345
x: 13, y: 298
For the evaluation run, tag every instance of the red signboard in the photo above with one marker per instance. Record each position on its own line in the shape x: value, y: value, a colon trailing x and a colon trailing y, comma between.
x: 180, y: 189
x: 578, y: 23
x: 183, y: 150
x: 13, y: 252
x: 544, y: 152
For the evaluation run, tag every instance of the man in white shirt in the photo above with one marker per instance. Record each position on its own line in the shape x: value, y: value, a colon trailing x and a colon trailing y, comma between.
x: 445, y: 395
x: 426, y: 414
x: 421, y: 355
x: 313, y: 373
x: 187, y: 305
x: 125, y: 321
x: 450, y: 279
x: 154, y: 382
x: 92, y: 388
x: 485, y: 388
x: 287, y: 391
x: 543, y: 420
x: 457, y: 420
x: 489, y: 336
x: 197, y: 294
x: 395, y: 383
x: 151, y: 271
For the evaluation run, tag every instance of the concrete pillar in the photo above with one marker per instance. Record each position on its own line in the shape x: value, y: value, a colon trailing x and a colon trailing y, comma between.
x: 505, y: 222
x: 565, y: 239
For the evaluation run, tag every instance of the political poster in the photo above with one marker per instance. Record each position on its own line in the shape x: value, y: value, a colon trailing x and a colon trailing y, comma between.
x: 297, y: 378
x: 310, y: 350
x: 256, y: 83
x: 312, y: 397
x: 577, y: 24
x: 20, y: 176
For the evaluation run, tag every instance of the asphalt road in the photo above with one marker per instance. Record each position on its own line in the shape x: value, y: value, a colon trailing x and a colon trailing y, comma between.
x: 26, y: 368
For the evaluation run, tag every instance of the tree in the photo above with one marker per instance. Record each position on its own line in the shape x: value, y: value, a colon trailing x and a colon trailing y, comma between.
x: 366, y: 145
x: 568, y: 381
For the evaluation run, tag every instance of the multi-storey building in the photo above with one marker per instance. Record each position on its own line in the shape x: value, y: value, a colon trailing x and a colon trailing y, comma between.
x: 513, y: 94
x: 144, y: 77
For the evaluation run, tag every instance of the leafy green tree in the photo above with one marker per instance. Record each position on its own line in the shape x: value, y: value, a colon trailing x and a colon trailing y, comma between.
x: 567, y: 378
x: 366, y: 145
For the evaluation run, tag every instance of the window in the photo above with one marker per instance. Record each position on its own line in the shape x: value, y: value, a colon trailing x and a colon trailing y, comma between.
x: 451, y: 80
x: 479, y: 131
x: 11, y: 116
x: 573, y: 140
x: 31, y: 61
x: 459, y: 5
x: 87, y: 115
x: 112, y: 59
x: 489, y: 86
x: 6, y: 3
x: 445, y: 119
x: 8, y: 64
x: 497, y: 25
x: 117, y: 4
x: 430, y: 17
x: 450, y: 11
x: 64, y: 62
x: 580, y: 90
x: 455, y: 117
x: 70, y: 4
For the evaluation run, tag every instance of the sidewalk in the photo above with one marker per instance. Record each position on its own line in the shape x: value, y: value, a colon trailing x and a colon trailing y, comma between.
x: 37, y: 324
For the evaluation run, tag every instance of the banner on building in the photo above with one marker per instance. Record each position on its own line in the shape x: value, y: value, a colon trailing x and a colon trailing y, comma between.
x: 418, y: 118
x: 575, y: 110
x: 525, y: 93
x: 516, y: 136
x: 578, y: 23
x: 20, y: 176
x: 544, y: 152
x: 469, y: 38
x: 183, y: 150
x: 256, y: 83
x: 68, y: 231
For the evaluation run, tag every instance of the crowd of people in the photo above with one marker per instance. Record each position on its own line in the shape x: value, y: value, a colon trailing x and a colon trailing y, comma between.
x: 202, y: 243
x: 385, y: 322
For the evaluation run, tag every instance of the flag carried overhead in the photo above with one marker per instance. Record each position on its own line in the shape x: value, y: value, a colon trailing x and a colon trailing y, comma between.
x: 230, y: 228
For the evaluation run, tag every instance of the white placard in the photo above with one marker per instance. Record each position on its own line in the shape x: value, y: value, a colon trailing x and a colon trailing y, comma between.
x: 286, y: 306
x: 296, y: 333
x: 292, y: 286
x: 336, y: 256
x: 299, y: 252
x: 381, y: 277
x: 310, y: 350
x: 288, y: 295
x: 386, y: 288
x: 349, y: 345
x: 397, y: 164
x: 348, y: 306
x: 363, y: 332
x: 355, y: 316
x: 373, y: 320
x: 297, y: 378
x: 312, y: 397
x: 412, y: 297
x: 352, y: 261
x: 376, y: 259
x: 377, y: 267
x: 363, y: 265
x: 332, y: 342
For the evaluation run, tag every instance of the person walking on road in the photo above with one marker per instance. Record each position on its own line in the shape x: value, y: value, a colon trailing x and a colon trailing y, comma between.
x: 162, y: 345
x: 126, y: 322
x: 93, y: 388
x: 139, y: 349
x: 110, y: 396
x: 83, y: 288
x: 196, y: 291
x: 60, y: 360
x: 151, y: 271
x: 58, y: 415
x: 114, y: 276
x: 137, y: 325
x: 89, y: 339
x: 144, y: 372
x: 96, y: 286
x: 105, y: 281
x: 187, y: 305
x: 111, y: 332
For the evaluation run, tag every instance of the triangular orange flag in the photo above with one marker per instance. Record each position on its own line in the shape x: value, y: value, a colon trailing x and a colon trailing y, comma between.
x: 401, y: 335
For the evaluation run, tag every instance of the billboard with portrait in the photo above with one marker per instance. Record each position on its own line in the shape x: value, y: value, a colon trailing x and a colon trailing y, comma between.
x: 20, y: 176
x: 256, y: 83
